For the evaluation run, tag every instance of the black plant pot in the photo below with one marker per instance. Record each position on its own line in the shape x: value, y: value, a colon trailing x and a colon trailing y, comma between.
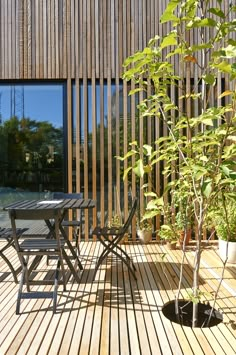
x: 186, y: 313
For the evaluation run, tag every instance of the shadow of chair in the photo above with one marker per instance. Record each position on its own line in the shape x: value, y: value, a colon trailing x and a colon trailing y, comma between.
x: 31, y: 250
x: 110, y: 237
x: 75, y: 223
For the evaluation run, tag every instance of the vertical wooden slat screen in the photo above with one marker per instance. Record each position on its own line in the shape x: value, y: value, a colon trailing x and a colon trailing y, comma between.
x: 84, y: 43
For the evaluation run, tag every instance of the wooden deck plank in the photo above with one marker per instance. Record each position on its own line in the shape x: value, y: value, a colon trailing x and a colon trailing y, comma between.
x: 114, y: 314
x: 140, y: 306
x: 165, y: 336
x: 59, y: 333
x: 157, y: 338
x: 219, y: 340
x: 133, y: 335
x: 90, y: 298
x: 82, y: 304
x: 75, y: 302
x: 97, y: 321
x: 122, y: 313
x: 106, y: 296
x: 19, y: 325
x: 114, y: 330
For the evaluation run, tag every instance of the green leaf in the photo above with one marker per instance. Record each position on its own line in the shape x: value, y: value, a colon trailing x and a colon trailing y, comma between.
x: 147, y: 149
x: 232, y: 41
x: 126, y: 172
x: 138, y: 168
x: 197, y: 22
x: 171, y: 106
x: 127, y: 155
x: 207, y: 122
x: 228, y: 52
x: 207, y: 188
x: 151, y: 205
x: 225, y: 170
x: 209, y: 79
x: 233, y: 67
x: 134, y: 91
x: 217, y: 11
x: 151, y: 214
x: 201, y: 46
x: 224, y: 67
x: 169, y: 40
x: 150, y: 193
x: 168, y: 14
x: 204, y: 158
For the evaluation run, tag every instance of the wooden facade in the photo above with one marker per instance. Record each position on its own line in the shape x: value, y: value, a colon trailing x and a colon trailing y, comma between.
x: 84, y: 42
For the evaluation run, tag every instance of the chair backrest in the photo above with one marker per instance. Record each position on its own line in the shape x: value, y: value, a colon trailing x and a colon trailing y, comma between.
x: 36, y: 214
x: 29, y: 215
x: 131, y: 215
x: 59, y: 195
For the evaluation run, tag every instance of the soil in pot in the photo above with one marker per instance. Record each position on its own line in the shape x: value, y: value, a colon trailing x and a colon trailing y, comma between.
x: 186, y: 312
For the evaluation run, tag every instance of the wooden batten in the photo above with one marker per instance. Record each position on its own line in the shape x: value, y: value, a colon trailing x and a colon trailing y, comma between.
x: 84, y: 43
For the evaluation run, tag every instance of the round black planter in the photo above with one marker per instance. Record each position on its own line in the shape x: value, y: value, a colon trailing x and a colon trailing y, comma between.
x: 186, y: 312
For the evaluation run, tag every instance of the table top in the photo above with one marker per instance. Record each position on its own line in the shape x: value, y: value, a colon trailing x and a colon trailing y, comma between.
x: 52, y: 204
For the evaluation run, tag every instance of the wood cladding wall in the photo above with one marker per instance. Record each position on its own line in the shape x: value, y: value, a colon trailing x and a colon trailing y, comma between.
x: 60, y: 39
x: 85, y: 42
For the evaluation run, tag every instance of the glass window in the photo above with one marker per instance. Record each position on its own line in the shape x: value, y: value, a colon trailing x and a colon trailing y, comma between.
x: 117, y: 121
x: 31, y: 134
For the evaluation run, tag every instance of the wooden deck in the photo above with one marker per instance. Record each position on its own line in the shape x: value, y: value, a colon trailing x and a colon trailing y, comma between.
x: 116, y: 315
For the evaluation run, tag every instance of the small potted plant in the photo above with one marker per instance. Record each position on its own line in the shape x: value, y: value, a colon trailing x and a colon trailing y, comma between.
x: 223, y: 219
x: 169, y: 234
x: 116, y: 222
x: 144, y: 230
x: 183, y: 225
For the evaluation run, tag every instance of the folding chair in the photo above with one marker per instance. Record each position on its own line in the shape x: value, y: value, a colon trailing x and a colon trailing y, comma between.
x: 110, y: 238
x: 6, y: 236
x: 76, y: 224
x: 32, y: 249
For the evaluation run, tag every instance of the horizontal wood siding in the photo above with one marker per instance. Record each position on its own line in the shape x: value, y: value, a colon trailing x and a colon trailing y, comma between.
x: 86, y: 42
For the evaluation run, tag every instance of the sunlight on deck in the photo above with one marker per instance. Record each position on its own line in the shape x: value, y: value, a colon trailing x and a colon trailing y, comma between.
x: 116, y: 315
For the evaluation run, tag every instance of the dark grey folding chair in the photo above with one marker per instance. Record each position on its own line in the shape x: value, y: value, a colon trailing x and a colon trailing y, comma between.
x: 7, y: 237
x: 110, y: 238
x: 76, y: 223
x: 32, y: 249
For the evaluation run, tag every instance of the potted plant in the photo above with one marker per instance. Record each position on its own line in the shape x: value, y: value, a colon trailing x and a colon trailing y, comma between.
x: 199, y: 150
x: 168, y: 234
x: 144, y: 230
x: 222, y: 218
x: 116, y: 222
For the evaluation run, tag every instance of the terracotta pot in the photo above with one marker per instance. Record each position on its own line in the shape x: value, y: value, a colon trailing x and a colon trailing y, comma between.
x: 181, y: 237
x: 231, y: 251
x: 171, y: 245
x: 144, y: 236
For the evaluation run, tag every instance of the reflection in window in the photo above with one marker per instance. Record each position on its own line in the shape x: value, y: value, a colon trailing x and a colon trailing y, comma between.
x: 102, y: 95
x: 31, y: 133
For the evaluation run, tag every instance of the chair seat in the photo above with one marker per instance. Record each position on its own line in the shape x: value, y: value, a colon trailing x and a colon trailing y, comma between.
x: 71, y: 223
x: 108, y: 231
x: 40, y: 244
